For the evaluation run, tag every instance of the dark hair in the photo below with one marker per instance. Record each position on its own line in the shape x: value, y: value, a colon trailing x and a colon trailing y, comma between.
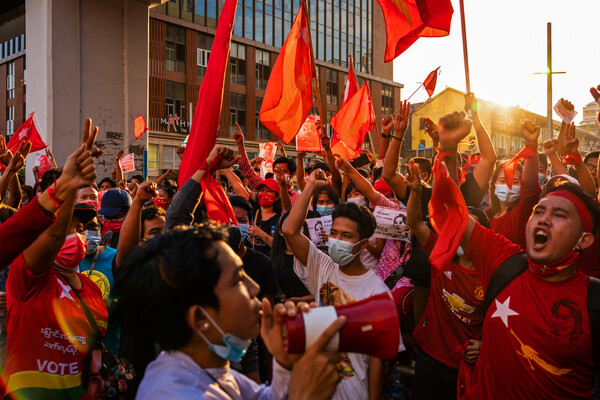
x: 543, y: 159
x: 268, y: 175
x: 167, y: 275
x: 239, y: 174
x: 588, y: 200
x: 49, y: 177
x: 377, y: 173
x: 365, y: 221
x: 29, y: 190
x: 112, y: 182
x: 481, y: 216
x: 149, y: 214
x: 278, y: 248
x: 284, y: 160
x: 87, y: 363
x: 170, y: 191
x: 243, y: 203
x: 349, y: 188
x: 138, y: 177
x: 321, y: 165
x: 424, y: 164
x: 329, y: 191
x: 495, y: 207
x: 591, y: 154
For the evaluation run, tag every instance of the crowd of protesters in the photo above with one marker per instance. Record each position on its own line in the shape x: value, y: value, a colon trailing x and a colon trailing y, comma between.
x: 124, y: 288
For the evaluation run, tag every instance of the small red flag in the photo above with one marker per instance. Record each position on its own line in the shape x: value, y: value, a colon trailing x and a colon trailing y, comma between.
x: 431, y: 81
x: 511, y: 165
x: 27, y: 131
x: 448, y: 213
x: 408, y: 20
x: 205, y: 125
x: 340, y: 148
x: 352, y: 122
x: 351, y: 84
x: 289, y: 94
x: 139, y: 126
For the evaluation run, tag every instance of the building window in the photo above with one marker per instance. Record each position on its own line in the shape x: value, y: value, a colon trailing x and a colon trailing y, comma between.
x: 237, y: 62
x: 202, y: 53
x: 263, y: 69
x: 10, y: 120
x: 10, y: 80
x: 170, y: 159
x: 152, y: 156
x: 261, y: 131
x: 175, y: 103
x: 175, y: 49
x: 237, y: 111
x: 332, y: 86
x: 387, y: 99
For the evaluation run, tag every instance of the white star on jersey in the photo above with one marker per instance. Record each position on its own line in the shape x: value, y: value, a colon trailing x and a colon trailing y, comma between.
x: 503, y: 311
x: 66, y: 289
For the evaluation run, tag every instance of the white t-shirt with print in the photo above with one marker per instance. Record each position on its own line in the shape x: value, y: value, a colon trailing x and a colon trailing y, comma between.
x: 330, y: 286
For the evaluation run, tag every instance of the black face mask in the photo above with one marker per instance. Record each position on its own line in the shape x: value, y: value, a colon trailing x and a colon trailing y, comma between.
x: 235, y: 238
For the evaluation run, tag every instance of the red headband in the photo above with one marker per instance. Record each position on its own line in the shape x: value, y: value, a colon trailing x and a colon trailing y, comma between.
x: 584, y: 213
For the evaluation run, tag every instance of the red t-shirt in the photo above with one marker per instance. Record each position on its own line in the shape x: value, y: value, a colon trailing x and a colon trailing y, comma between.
x: 512, y: 224
x: 589, y: 260
x: 48, y: 333
x: 454, y: 311
x: 536, y: 340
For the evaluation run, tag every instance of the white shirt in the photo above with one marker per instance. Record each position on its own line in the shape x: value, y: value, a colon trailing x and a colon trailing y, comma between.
x: 174, y: 375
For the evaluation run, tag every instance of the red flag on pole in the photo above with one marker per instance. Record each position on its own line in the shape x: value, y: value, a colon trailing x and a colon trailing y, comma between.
x: 408, y: 20
x: 351, y: 84
x: 27, y: 131
x: 352, y: 122
x: 431, y: 81
x: 140, y: 127
x: 205, y: 124
x: 289, y: 94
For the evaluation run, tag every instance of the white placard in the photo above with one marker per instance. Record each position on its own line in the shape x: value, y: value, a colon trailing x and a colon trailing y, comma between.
x: 315, y: 225
x: 391, y: 224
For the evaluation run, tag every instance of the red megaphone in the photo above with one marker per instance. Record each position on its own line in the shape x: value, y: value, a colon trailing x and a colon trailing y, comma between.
x: 372, y: 327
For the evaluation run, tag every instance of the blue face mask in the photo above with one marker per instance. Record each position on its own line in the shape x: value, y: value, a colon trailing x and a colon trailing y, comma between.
x: 233, y: 349
x: 244, y: 229
x: 541, y: 178
x: 325, y: 210
x: 507, y: 195
x: 340, y: 251
x: 93, y: 241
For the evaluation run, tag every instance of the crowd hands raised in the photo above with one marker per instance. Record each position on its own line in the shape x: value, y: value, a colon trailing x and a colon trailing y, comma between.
x: 198, y: 309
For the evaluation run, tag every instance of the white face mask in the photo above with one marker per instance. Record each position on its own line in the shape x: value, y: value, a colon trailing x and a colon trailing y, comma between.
x: 360, y: 200
x: 506, y: 195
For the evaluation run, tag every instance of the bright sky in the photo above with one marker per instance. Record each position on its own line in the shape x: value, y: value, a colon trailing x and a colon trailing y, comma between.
x: 507, y: 44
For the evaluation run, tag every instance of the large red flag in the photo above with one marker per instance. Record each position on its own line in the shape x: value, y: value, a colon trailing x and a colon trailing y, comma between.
x: 351, y: 84
x: 205, y: 124
x: 408, y: 20
x: 289, y: 95
x: 352, y: 122
x: 448, y: 213
x: 27, y: 131
x: 431, y: 81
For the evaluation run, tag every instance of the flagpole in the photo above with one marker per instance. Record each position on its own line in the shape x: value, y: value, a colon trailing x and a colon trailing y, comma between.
x: 464, y: 42
x: 420, y: 86
x: 316, y: 78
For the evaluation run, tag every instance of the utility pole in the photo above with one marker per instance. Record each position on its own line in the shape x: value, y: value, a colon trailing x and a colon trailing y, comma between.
x: 549, y: 74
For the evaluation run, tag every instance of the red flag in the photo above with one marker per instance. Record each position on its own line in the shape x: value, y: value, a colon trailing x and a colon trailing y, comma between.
x: 342, y: 149
x: 351, y: 84
x: 408, y: 20
x: 352, y: 122
x: 289, y: 95
x: 430, y: 82
x: 27, y: 131
x: 205, y: 124
x: 140, y: 127
x: 511, y: 165
x: 448, y: 213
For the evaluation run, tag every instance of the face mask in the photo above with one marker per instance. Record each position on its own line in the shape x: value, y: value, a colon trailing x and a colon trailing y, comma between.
x: 161, y: 202
x: 325, y: 210
x: 112, y: 225
x: 92, y: 239
x: 287, y: 178
x: 541, y: 178
x: 557, y: 266
x: 506, y: 195
x: 266, y: 199
x: 360, y: 200
x: 234, y: 348
x: 340, y: 251
x: 92, y: 203
x: 72, y: 252
x: 460, y: 251
x: 244, y: 229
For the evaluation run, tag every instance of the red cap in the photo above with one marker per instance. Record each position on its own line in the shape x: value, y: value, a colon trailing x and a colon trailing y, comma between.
x: 382, y: 187
x: 271, y: 184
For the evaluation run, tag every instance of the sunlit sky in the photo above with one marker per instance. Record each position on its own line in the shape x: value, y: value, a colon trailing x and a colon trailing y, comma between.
x: 507, y: 44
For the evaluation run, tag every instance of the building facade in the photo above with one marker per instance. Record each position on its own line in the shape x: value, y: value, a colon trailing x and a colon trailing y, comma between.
x: 181, y: 36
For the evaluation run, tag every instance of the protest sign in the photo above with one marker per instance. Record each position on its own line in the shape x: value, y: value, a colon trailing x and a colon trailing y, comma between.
x: 315, y: 225
x: 391, y: 224
x: 565, y: 112
x: 308, y: 138
x: 127, y: 163
x: 267, y: 151
x: 265, y: 168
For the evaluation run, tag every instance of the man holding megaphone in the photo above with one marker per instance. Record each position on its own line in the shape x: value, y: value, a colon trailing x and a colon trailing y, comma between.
x: 338, y: 279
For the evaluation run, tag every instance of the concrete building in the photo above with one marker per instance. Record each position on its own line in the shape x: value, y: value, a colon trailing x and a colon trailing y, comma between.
x: 181, y: 34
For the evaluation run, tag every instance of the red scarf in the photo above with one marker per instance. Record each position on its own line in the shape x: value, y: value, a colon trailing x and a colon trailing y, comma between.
x: 511, y: 165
